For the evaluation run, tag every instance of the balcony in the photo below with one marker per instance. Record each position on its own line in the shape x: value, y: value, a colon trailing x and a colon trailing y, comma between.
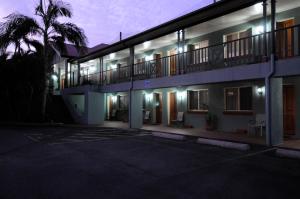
x: 244, y: 51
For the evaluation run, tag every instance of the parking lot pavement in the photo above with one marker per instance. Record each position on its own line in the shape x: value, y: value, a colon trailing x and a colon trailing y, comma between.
x: 112, y: 163
x: 63, y: 136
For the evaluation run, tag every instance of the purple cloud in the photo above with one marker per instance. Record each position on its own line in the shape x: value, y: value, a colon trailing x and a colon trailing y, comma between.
x: 103, y: 20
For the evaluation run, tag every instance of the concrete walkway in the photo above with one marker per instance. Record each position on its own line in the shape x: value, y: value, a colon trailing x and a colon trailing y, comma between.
x: 197, y: 132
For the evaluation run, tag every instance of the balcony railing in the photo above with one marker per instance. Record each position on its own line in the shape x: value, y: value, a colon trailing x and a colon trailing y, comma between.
x: 249, y: 50
x: 112, y: 76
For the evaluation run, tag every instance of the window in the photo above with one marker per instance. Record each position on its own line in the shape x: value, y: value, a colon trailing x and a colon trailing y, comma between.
x: 238, y: 43
x: 238, y: 99
x: 198, y: 100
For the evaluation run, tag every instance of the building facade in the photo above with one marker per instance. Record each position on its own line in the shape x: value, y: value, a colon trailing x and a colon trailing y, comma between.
x: 232, y: 66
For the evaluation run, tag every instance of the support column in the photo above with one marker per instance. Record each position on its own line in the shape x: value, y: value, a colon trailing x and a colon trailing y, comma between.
x: 78, y: 74
x: 59, y: 79
x: 94, y: 108
x: 275, y: 106
x: 131, y: 104
x: 66, y: 74
x: 274, y: 119
x: 136, y: 109
x: 165, y: 108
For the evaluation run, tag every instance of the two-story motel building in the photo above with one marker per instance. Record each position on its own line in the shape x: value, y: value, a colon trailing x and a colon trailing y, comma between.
x: 232, y: 59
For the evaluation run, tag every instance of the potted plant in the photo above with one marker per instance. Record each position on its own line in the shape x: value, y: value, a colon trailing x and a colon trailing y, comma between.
x: 211, y: 121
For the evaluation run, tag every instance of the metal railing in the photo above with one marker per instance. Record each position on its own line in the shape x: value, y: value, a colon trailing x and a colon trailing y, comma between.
x: 249, y: 50
x: 112, y: 76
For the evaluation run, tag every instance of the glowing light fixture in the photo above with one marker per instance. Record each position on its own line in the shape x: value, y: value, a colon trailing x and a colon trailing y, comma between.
x: 147, y: 44
x: 258, y: 7
x: 113, y: 66
x: 181, y: 95
x: 92, y: 69
x: 260, y: 90
x: 259, y: 29
x: 54, y: 77
x: 180, y: 49
x: 149, y: 58
x: 112, y: 55
x: 149, y: 97
x: 114, y: 99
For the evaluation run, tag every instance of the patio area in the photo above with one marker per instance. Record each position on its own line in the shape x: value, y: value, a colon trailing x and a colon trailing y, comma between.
x: 198, y: 132
x: 291, y: 144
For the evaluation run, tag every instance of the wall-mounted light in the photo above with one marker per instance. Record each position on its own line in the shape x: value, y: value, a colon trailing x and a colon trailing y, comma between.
x: 258, y: 7
x: 54, y: 77
x: 149, y: 97
x: 92, y: 69
x: 259, y: 30
x: 149, y: 58
x: 181, y: 50
x: 114, y: 99
x: 181, y: 95
x: 147, y: 44
x: 113, y: 66
x: 112, y: 55
x: 260, y: 90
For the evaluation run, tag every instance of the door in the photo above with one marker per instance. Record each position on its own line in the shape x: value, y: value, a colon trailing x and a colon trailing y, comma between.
x: 284, y: 38
x: 157, y: 58
x: 245, y: 43
x: 172, y: 58
x: 158, y: 107
x: 109, y: 107
x: 172, y: 107
x: 289, y: 110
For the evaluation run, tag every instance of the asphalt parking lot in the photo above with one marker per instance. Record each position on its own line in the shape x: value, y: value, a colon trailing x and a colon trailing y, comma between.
x: 42, y: 163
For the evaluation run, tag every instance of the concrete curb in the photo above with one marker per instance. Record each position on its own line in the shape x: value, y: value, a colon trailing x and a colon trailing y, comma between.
x: 224, y: 144
x: 288, y: 153
x: 169, y: 136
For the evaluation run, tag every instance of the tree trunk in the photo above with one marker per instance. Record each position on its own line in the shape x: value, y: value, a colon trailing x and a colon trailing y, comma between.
x: 44, y: 97
x: 46, y: 76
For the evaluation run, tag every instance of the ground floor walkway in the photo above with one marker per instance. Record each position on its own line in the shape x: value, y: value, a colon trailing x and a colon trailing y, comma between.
x: 198, y: 132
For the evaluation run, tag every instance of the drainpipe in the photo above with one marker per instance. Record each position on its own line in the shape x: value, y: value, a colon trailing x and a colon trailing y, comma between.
x: 270, y: 74
x: 131, y: 84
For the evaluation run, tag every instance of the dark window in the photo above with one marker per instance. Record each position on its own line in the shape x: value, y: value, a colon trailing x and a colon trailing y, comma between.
x: 198, y: 100
x: 246, y: 98
x: 238, y: 99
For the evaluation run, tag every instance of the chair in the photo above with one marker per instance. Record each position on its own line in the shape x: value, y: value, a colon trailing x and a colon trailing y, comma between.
x: 179, y: 120
x: 258, y: 123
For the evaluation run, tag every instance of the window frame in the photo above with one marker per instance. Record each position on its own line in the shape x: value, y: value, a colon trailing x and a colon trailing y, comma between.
x: 198, y: 93
x: 238, y: 100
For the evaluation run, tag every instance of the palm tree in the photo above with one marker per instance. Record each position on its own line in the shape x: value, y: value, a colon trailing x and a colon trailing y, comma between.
x: 19, y: 30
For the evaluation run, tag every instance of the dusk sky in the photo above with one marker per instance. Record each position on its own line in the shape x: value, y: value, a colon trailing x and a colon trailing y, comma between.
x: 102, y: 20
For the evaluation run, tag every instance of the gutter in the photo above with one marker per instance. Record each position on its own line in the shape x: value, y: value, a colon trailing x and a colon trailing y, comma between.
x: 269, y: 76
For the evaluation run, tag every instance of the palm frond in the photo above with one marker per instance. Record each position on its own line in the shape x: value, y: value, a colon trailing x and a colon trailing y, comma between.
x: 71, y: 33
x: 57, y: 8
x: 15, y: 29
